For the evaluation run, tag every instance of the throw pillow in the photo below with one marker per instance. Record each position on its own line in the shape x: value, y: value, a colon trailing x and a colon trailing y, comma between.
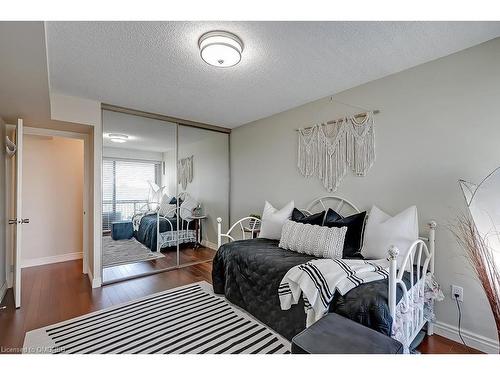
x: 315, y: 240
x: 187, y: 207
x: 383, y: 230
x: 274, y: 219
x: 354, y: 237
x: 166, y: 209
x: 314, y: 219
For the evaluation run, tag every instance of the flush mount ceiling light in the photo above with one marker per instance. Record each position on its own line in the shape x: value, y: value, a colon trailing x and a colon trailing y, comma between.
x: 118, y: 138
x: 220, y: 48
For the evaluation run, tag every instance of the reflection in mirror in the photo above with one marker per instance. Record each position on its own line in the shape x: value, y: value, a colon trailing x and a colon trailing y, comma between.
x: 203, y: 189
x: 138, y: 203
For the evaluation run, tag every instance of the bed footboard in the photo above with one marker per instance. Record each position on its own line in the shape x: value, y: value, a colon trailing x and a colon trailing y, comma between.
x: 408, y: 315
x: 181, y: 233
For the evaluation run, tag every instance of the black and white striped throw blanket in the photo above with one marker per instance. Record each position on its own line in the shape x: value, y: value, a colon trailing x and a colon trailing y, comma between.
x: 318, y: 279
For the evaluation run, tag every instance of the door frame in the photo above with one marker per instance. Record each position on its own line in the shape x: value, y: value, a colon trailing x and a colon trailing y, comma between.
x: 9, y: 212
x: 86, y: 182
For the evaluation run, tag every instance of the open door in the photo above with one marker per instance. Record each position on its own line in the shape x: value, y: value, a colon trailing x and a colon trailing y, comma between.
x: 17, y: 220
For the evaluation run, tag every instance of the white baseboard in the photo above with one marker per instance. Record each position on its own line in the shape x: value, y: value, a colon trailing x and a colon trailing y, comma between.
x: 94, y: 282
x: 3, y: 290
x: 209, y: 244
x: 52, y: 259
x: 482, y: 343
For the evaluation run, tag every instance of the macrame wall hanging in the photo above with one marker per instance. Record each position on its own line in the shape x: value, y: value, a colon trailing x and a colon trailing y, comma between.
x: 185, y: 171
x: 327, y: 151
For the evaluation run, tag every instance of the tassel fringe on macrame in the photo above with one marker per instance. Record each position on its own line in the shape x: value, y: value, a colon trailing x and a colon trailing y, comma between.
x: 327, y: 151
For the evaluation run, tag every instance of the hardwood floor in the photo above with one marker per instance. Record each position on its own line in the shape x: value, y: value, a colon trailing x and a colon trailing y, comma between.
x: 58, y: 292
x: 187, y: 255
x: 441, y: 345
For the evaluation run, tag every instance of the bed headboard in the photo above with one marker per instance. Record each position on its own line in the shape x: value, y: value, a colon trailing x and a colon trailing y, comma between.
x: 338, y: 204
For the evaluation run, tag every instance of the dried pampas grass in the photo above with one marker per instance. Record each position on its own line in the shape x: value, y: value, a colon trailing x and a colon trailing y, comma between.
x: 482, y: 258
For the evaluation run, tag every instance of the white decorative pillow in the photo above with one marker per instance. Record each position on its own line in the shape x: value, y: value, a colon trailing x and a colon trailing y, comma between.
x: 383, y: 230
x: 187, y: 207
x: 274, y: 219
x: 166, y: 209
x: 315, y: 240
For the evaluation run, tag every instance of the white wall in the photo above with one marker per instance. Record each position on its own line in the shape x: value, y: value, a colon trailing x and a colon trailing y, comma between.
x: 439, y: 122
x: 52, y: 199
x: 169, y: 178
x: 84, y: 111
x: 210, y: 185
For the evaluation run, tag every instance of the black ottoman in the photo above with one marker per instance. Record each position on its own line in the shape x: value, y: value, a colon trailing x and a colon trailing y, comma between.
x: 334, y: 334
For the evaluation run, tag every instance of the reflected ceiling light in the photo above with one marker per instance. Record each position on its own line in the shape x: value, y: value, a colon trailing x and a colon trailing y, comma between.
x: 117, y: 137
x: 220, y: 48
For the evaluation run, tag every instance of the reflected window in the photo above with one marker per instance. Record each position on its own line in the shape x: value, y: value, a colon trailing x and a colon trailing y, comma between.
x: 126, y: 188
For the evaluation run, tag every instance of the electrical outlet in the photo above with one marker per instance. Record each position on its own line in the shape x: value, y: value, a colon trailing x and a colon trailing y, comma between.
x: 457, y: 292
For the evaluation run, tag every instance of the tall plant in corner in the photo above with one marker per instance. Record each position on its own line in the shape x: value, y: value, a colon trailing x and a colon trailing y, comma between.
x: 476, y: 232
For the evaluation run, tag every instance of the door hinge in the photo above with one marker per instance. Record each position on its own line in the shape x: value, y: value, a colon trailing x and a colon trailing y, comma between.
x: 12, y: 221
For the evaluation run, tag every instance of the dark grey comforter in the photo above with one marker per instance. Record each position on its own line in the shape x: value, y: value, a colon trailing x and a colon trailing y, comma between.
x: 249, y: 272
x: 147, y: 229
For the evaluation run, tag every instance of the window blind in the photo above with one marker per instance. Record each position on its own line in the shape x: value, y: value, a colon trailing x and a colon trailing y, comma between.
x: 126, y: 188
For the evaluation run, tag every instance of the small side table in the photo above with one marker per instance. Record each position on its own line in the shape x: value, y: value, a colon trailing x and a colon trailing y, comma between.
x: 197, y: 228
x: 255, y: 232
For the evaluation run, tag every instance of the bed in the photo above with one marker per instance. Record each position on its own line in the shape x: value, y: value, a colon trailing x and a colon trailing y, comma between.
x: 248, y: 272
x: 157, y: 231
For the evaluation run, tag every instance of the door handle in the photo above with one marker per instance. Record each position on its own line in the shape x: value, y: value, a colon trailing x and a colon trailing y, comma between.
x: 22, y: 221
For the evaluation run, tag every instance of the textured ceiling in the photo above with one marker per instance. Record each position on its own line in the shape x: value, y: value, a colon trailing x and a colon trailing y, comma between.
x: 155, y: 66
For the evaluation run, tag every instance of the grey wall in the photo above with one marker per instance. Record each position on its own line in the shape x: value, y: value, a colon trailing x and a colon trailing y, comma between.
x: 210, y: 186
x: 439, y: 122
x: 2, y: 207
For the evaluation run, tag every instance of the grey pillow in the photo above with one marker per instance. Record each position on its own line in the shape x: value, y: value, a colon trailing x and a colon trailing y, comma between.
x: 315, y: 240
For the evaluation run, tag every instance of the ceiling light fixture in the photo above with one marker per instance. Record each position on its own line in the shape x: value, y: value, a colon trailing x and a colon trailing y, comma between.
x: 118, y: 138
x: 220, y: 48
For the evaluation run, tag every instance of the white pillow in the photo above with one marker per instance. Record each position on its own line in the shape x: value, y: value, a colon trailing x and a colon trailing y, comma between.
x: 166, y: 209
x: 187, y: 207
x: 321, y: 242
x: 383, y: 230
x: 274, y: 219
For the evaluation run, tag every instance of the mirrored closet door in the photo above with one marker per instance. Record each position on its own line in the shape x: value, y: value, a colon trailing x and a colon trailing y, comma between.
x: 203, y: 189
x: 164, y: 186
x: 139, y: 209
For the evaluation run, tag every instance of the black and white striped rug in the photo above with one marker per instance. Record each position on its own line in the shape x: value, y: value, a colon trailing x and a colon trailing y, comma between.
x: 190, y: 319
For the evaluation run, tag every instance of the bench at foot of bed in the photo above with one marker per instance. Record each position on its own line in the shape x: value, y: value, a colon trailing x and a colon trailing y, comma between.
x: 334, y: 334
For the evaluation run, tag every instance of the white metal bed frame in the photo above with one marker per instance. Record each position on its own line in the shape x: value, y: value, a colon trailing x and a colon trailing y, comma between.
x: 169, y: 238
x: 420, y: 254
x: 182, y: 234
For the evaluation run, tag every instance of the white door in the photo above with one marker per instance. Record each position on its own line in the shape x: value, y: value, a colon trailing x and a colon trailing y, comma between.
x: 18, y: 221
